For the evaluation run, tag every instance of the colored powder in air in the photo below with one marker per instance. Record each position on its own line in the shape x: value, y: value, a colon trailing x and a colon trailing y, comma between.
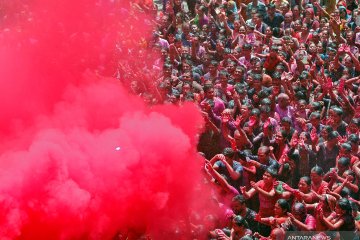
x: 80, y: 158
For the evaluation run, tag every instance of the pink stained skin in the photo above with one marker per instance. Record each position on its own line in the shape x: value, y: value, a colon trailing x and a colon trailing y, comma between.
x: 62, y: 173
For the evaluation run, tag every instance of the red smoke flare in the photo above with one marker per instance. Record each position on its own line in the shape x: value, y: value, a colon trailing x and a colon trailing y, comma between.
x: 80, y: 158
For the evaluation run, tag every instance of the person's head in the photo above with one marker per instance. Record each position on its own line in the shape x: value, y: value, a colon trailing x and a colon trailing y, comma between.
x: 288, y: 18
x: 281, y: 208
x: 343, y: 207
x: 336, y: 114
x: 305, y: 28
x: 280, y: 137
x: 350, y: 36
x: 285, y: 8
x: 257, y: 67
x: 279, y: 69
x: 228, y: 153
x: 264, y: 112
x: 239, y: 223
x: 324, y: 133
x: 186, y: 28
x: 286, y: 124
x: 245, y: 110
x: 304, y: 184
x: 299, y: 211
x: 332, y: 138
x: 343, y: 164
x: 238, y: 204
x: 209, y: 92
x: 296, y: 10
x: 223, y: 77
x: 353, y: 127
x: 257, y: 18
x: 239, y: 72
x: 323, y: 22
x: 277, y: 234
x: 257, y: 81
x: 315, y: 118
x: 186, y: 76
x: 283, y: 100
x: 276, y: 79
x: 345, y: 149
x: 316, y: 175
x: 309, y: 13
x: 353, y: 139
x: 271, y: 9
x: 246, y: 49
x: 263, y: 154
x: 269, y: 175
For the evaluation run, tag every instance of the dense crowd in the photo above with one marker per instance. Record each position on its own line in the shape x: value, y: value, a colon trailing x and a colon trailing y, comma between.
x: 277, y: 84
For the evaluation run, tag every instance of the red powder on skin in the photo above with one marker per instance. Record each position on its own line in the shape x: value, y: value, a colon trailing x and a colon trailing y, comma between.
x: 80, y: 158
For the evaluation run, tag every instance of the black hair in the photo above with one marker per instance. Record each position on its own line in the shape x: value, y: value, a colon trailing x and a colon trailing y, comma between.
x: 345, y: 204
x: 306, y: 179
x: 344, y: 161
x: 240, y: 221
x: 318, y: 170
x: 239, y: 198
x: 285, y: 206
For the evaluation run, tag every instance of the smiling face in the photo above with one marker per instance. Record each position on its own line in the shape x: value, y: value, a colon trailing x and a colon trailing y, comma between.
x: 303, y: 186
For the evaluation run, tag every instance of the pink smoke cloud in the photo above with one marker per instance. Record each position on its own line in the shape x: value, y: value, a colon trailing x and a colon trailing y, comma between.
x: 80, y: 157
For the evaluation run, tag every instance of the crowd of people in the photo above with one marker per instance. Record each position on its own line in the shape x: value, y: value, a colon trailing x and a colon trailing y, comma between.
x: 277, y: 84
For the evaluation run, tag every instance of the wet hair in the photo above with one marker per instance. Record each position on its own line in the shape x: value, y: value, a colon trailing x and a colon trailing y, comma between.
x: 265, y: 101
x: 257, y: 77
x: 240, y: 221
x: 208, y: 87
x: 299, y: 208
x: 284, y: 205
x: 318, y: 170
x: 346, y: 147
x: 265, y: 109
x: 345, y: 204
x: 328, y: 129
x: 228, y: 152
x: 333, y: 135
x: 345, y: 192
x: 239, y: 198
x: 353, y: 138
x: 276, y: 75
x: 344, y: 161
x: 255, y: 112
x: 315, y: 115
x: 223, y: 73
x: 271, y: 171
x: 338, y: 111
x: 277, y: 32
x: 286, y: 119
x: 283, y: 134
x: 306, y: 179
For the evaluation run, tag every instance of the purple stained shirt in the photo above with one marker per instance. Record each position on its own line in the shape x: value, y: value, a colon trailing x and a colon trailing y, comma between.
x: 288, y: 112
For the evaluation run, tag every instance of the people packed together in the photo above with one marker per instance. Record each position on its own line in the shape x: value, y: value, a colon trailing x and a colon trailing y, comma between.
x: 277, y: 85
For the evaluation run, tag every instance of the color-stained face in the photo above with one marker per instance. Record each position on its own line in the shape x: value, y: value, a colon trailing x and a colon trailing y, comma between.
x: 303, y: 186
x: 210, y: 93
x: 278, y: 210
x: 262, y: 156
x: 267, y: 177
x: 315, y: 178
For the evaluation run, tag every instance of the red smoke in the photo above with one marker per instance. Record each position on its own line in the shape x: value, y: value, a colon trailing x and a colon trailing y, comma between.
x: 80, y: 158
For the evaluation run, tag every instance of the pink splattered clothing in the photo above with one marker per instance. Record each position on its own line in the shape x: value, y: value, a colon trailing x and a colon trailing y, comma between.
x: 266, y: 204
